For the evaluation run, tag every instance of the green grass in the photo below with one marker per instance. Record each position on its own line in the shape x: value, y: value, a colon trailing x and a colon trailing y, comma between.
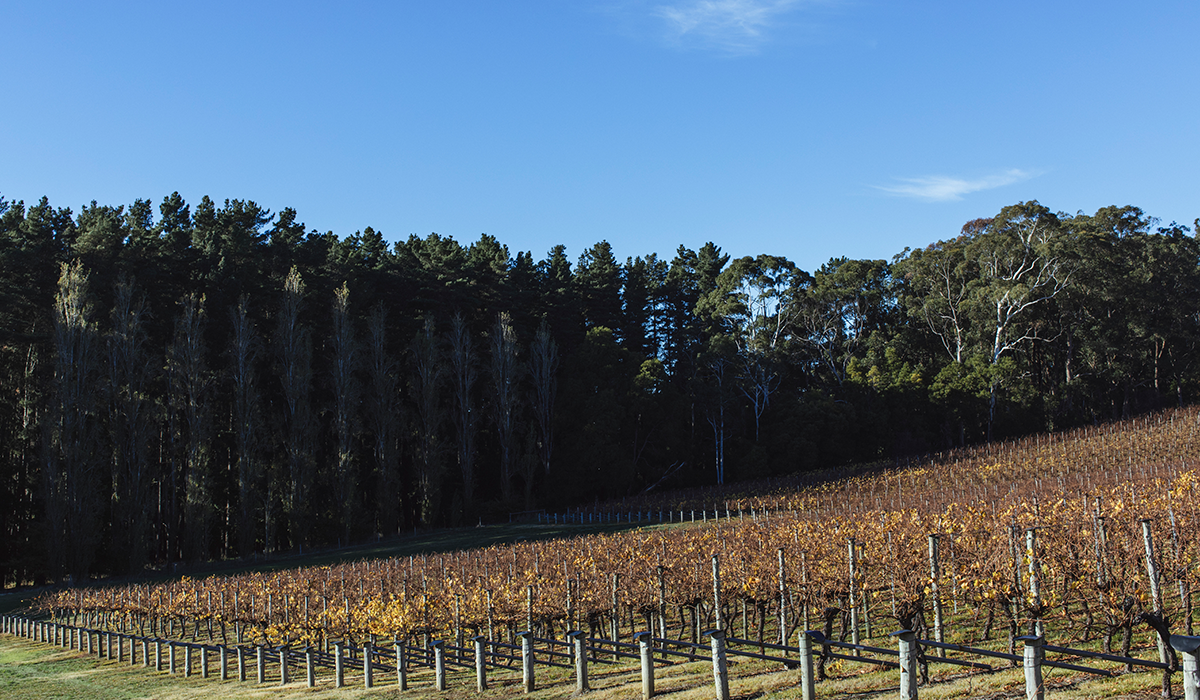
x: 33, y: 671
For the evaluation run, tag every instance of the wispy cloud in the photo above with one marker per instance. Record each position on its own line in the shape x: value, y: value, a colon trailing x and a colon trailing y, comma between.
x: 735, y: 26
x: 940, y: 188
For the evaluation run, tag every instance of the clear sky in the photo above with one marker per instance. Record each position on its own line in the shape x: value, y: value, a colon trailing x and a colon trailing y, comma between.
x: 807, y: 129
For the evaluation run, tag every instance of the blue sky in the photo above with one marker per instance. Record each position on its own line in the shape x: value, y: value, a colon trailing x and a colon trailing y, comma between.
x: 807, y: 129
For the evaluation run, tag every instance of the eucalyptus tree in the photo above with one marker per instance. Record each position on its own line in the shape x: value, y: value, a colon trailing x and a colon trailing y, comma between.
x: 293, y: 349
x: 246, y: 424
x: 347, y: 393
x: 383, y: 417
x: 753, y: 301
x: 464, y: 373
x: 74, y: 468
x: 506, y: 377
x: 543, y: 371
x: 131, y: 423
x: 428, y: 371
x: 1022, y: 264
x: 190, y: 398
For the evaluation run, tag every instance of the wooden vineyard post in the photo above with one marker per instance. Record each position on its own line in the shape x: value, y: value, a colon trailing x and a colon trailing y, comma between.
x: 1164, y: 653
x: 1189, y: 647
x: 401, y: 665
x: 1035, y: 652
x: 224, y: 653
x: 283, y: 666
x: 481, y: 683
x: 368, y: 670
x: 935, y: 573
x: 339, y: 669
x: 783, y: 634
x: 908, y: 664
x: 646, y: 652
x: 662, y: 603
x: 720, y: 667
x: 241, y: 656
x: 439, y: 665
x: 1035, y: 596
x: 581, y: 670
x: 808, y: 687
x: 716, y: 577
x: 853, y: 600
x: 310, y: 666
x: 260, y: 666
x: 527, y: 661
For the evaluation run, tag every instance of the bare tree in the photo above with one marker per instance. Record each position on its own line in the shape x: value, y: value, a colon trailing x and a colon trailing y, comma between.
x: 293, y: 344
x: 427, y: 380
x: 246, y: 422
x: 543, y: 369
x: 186, y: 363
x: 130, y: 420
x: 464, y: 371
x: 383, y: 417
x: 506, y: 377
x: 346, y: 392
x: 73, y: 466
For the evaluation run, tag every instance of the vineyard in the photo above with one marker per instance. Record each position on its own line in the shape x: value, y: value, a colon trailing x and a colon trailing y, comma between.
x: 1090, y: 536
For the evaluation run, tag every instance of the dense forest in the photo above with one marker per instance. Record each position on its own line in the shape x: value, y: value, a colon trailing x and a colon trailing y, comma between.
x: 217, y: 381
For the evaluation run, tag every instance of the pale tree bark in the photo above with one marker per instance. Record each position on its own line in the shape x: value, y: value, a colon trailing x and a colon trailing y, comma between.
x: 427, y: 380
x: 465, y: 372
x: 347, y: 392
x: 293, y: 344
x: 73, y: 469
x: 543, y: 369
x: 191, y: 380
x: 383, y: 417
x: 130, y: 420
x: 506, y: 397
x: 243, y: 357
x: 1019, y: 269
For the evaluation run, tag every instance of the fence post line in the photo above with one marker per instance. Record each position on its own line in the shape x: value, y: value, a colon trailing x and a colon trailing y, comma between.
x: 1189, y: 648
x: 719, y: 666
x: 260, y: 667
x: 907, y: 640
x: 581, y: 673
x: 527, y: 660
x: 241, y: 656
x: 146, y: 653
x: 224, y: 662
x: 171, y: 657
x: 480, y: 664
x: 283, y: 669
x: 368, y: 671
x: 808, y: 688
x: 439, y: 665
x: 1034, y: 653
x: 310, y: 666
x: 203, y: 659
x: 646, y: 651
x: 339, y: 673
x: 158, y: 648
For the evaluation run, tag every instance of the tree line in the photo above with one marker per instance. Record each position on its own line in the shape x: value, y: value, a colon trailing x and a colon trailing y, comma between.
x: 218, y: 381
